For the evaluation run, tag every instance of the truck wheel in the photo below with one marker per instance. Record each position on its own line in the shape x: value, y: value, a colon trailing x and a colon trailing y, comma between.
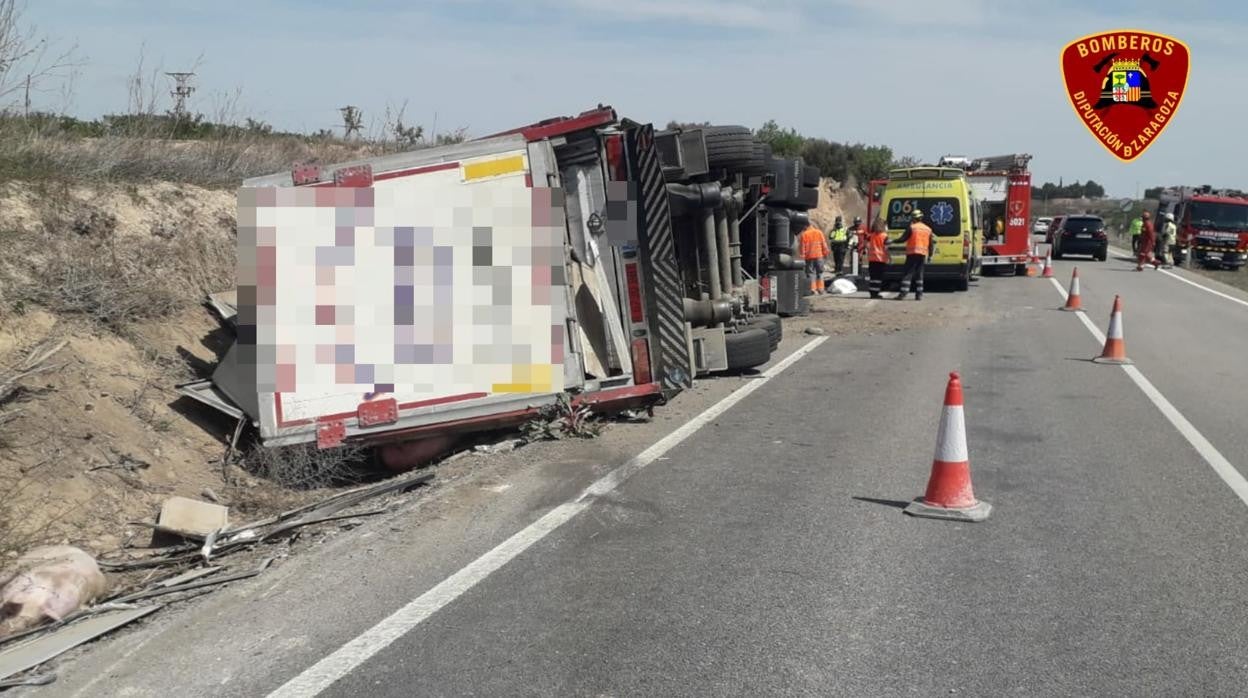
x: 963, y: 283
x: 747, y: 349
x: 732, y: 148
x: 766, y: 327
x: 773, y: 325
x: 810, y: 176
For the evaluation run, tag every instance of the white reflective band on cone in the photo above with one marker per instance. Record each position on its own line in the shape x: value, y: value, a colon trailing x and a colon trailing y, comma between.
x: 1115, y: 326
x: 951, y: 439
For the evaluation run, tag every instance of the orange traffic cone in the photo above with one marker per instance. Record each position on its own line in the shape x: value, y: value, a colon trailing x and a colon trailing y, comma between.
x: 1048, y: 265
x: 949, y: 494
x: 1115, y: 351
x: 1073, y: 301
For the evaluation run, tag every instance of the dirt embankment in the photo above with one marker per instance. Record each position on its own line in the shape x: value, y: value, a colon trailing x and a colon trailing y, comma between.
x: 837, y: 200
x: 112, y: 278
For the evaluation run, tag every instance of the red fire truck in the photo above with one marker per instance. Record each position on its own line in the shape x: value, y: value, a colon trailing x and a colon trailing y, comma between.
x: 1003, y: 186
x: 1213, y: 224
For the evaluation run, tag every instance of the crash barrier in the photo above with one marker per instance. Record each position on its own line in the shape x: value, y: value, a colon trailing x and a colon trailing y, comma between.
x: 949, y: 493
x: 1073, y: 301
x: 1115, y: 351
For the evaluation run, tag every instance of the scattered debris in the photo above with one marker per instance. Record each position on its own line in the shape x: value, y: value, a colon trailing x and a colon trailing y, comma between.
x: 211, y: 496
x: 193, y: 585
x: 189, y: 518
x: 187, y: 576
x: 225, y: 541
x: 503, y: 446
x: 634, y: 416
x: 818, y: 331
x: 48, y: 583
x: 32, y: 680
x: 28, y: 655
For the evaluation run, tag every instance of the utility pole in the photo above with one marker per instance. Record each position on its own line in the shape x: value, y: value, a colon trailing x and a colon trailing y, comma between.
x: 352, y: 118
x: 181, y: 91
x: 27, y: 101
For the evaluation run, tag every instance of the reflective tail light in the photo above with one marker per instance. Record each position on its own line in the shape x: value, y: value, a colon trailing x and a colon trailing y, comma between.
x: 634, y: 292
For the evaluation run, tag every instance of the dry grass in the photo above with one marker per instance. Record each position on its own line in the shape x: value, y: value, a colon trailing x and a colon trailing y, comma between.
x: 305, y: 467
x: 82, y: 268
x: 218, y: 162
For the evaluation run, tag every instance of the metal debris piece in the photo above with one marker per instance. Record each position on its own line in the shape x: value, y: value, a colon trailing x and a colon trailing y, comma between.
x: 190, y: 586
x: 189, y: 576
x: 32, y: 680
x: 817, y: 331
x: 28, y: 655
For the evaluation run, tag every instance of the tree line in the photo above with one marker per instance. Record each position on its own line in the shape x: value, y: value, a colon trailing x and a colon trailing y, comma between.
x: 1075, y: 190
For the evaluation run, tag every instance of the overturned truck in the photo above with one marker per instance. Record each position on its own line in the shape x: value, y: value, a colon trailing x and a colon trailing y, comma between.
x: 466, y: 287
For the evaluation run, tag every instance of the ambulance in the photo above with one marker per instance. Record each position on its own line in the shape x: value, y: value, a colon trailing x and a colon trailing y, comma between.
x: 949, y: 208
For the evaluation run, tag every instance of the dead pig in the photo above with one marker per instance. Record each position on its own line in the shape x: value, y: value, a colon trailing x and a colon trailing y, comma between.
x: 45, y: 583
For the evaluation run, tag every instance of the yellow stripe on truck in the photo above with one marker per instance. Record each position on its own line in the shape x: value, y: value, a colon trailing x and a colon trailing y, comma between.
x: 497, y: 167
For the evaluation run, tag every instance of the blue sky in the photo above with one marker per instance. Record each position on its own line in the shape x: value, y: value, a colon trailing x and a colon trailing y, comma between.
x: 928, y: 78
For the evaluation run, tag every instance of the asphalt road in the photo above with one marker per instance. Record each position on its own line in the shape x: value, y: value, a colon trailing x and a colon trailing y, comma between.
x: 767, y: 554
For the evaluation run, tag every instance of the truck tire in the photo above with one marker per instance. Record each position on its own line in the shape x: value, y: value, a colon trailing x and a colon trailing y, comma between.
x: 808, y: 199
x: 810, y: 176
x: 773, y: 325
x: 732, y: 148
x: 766, y: 327
x: 747, y: 349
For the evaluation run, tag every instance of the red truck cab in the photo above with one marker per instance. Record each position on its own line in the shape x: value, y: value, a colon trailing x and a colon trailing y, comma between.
x: 1213, y: 225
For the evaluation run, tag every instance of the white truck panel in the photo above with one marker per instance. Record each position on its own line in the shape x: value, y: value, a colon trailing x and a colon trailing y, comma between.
x: 444, y: 293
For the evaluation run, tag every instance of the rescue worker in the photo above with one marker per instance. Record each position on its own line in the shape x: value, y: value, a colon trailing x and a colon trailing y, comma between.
x: 918, y: 241
x: 876, y: 248
x: 1136, y: 226
x: 1166, y: 242
x: 1148, y: 240
x: 999, y: 228
x: 838, y: 237
x: 857, y: 231
x: 813, y: 248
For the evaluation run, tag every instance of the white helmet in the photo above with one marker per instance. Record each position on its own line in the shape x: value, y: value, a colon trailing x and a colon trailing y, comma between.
x: 1169, y: 216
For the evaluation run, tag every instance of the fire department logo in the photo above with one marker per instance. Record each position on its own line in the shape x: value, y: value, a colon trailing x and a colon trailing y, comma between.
x: 1125, y: 86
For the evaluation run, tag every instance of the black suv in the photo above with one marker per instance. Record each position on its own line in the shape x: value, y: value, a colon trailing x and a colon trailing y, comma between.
x: 1080, y: 234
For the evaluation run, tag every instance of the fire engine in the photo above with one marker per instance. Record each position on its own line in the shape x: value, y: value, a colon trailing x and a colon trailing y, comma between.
x: 1213, y: 224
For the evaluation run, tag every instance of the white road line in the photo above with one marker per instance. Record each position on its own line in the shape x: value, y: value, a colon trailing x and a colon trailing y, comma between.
x: 1204, y: 288
x: 1229, y: 474
x: 321, y: 675
x: 1189, y: 282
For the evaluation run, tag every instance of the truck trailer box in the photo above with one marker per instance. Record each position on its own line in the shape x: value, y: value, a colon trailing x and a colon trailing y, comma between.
x: 456, y: 288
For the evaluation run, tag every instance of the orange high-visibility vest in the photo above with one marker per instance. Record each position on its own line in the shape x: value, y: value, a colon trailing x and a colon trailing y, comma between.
x: 811, y: 244
x: 877, y: 247
x: 920, y: 239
